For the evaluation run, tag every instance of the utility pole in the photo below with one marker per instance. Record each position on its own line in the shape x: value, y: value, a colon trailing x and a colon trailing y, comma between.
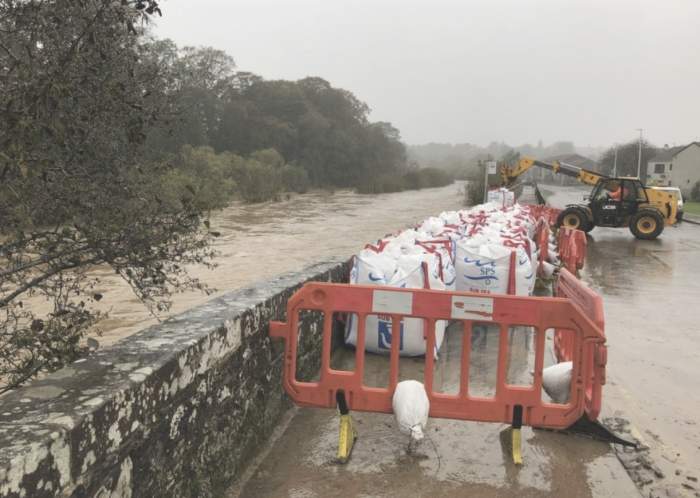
x: 639, y: 156
x: 486, y: 180
x: 614, y: 171
x: 490, y: 168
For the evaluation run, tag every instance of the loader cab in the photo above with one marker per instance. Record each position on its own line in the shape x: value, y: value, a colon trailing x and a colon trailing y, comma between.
x: 614, y: 200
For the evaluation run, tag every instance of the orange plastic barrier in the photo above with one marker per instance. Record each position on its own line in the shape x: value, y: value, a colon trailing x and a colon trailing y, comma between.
x: 595, y: 356
x: 550, y: 214
x: 509, y: 403
x: 572, y: 248
x: 542, y: 241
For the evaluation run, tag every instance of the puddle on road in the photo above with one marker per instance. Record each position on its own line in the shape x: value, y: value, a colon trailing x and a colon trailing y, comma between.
x: 459, y: 458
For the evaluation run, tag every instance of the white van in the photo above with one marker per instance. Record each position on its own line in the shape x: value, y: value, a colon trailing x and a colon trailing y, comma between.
x: 679, y: 216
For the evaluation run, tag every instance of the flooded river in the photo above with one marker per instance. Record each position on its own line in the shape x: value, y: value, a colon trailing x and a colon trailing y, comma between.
x: 260, y: 241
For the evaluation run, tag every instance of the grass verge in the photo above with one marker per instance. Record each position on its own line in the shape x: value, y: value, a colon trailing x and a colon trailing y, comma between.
x: 691, y: 207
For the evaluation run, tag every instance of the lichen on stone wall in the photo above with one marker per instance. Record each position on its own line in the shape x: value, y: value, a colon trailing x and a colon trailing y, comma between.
x: 175, y: 410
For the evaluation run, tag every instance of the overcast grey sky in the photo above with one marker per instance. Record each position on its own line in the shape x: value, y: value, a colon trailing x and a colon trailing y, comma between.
x: 590, y: 71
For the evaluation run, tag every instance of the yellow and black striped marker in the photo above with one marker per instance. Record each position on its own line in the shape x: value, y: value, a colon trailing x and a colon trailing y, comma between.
x: 347, y: 435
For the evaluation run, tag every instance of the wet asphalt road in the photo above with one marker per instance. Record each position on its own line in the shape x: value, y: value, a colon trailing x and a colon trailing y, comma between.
x: 460, y: 459
x: 651, y: 292
x: 468, y: 458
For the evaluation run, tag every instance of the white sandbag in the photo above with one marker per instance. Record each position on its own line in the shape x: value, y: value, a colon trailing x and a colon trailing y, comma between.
x: 446, y: 270
x: 409, y: 272
x: 553, y: 257
x: 378, y: 334
x: 449, y: 276
x: 432, y: 226
x: 524, y: 273
x: 486, y: 269
x: 406, y: 236
x: 450, y: 217
x: 556, y: 381
x: 547, y: 269
x: 482, y: 268
x: 501, y: 197
x: 411, y: 408
x: 372, y: 268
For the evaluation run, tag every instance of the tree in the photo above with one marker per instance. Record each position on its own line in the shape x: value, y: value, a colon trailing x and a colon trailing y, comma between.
x: 695, y: 192
x: 322, y: 129
x: 627, y: 159
x: 77, y: 101
x: 197, y: 80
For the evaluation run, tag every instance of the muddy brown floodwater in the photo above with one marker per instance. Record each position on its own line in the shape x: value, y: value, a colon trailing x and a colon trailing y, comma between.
x: 261, y: 241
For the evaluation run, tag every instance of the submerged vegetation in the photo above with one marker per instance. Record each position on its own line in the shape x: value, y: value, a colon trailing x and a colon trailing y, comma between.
x: 413, y: 179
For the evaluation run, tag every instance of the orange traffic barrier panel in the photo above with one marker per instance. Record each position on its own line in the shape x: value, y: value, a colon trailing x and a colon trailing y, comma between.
x: 594, y: 355
x: 572, y: 248
x: 510, y: 403
x: 542, y: 241
x: 550, y: 214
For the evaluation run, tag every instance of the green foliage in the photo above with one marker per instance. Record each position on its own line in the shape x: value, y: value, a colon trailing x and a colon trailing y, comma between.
x: 627, y: 159
x: 473, y: 193
x: 692, y: 207
x: 695, y: 192
x: 81, y: 90
x: 474, y: 186
x: 309, y: 123
x: 268, y: 156
x: 426, y: 178
x: 382, y: 184
x: 412, y: 180
x: 200, y: 179
x: 258, y: 182
x: 114, y: 147
x: 294, y: 178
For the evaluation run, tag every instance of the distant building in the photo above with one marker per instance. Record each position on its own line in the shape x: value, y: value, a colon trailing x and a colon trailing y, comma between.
x: 675, y: 166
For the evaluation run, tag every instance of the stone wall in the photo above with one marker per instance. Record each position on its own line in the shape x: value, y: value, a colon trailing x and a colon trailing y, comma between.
x: 174, y: 410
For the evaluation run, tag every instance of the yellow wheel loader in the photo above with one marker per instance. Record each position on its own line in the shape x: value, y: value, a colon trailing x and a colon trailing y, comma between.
x: 613, y: 202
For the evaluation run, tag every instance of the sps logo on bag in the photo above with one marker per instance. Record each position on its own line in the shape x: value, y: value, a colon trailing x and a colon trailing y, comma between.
x: 384, y: 333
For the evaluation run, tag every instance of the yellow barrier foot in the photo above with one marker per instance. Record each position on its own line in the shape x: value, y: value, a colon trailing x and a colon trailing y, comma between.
x: 347, y: 434
x: 516, y: 441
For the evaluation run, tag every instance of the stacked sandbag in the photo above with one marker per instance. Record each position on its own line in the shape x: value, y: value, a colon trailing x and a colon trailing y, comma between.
x: 471, y: 250
x: 411, y: 269
x: 502, y: 196
x: 486, y: 267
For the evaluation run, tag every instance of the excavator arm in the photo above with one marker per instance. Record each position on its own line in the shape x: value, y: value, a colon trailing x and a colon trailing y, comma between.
x: 511, y: 173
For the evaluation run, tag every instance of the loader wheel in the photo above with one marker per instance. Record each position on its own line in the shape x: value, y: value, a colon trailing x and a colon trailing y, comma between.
x: 646, y: 224
x: 574, y: 218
